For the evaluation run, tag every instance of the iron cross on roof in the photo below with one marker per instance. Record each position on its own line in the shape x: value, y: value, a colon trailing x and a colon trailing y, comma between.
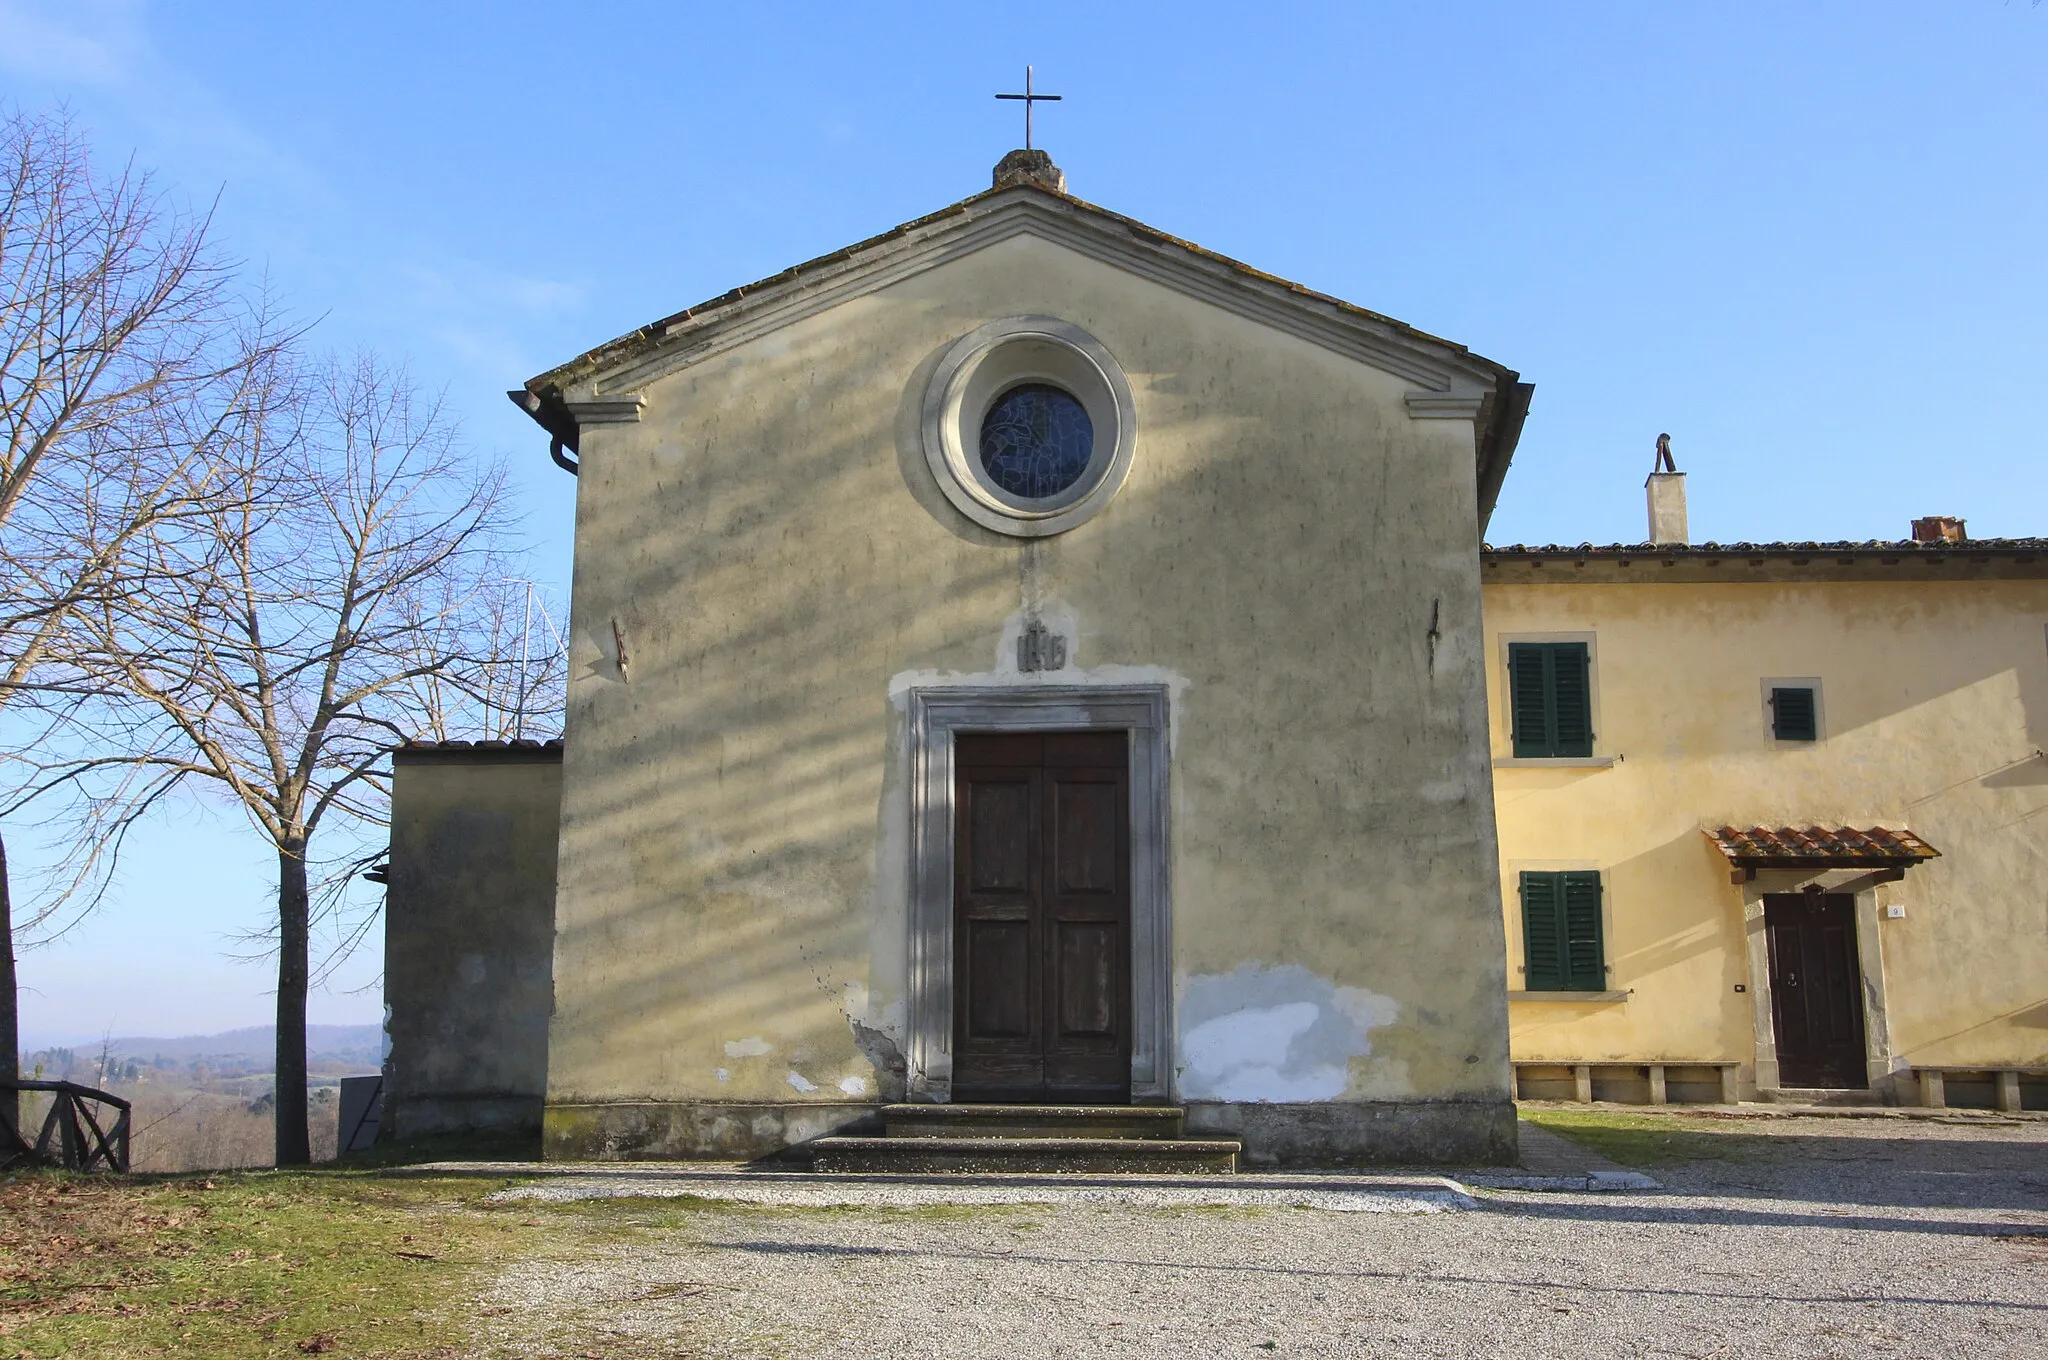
x: 1029, y: 99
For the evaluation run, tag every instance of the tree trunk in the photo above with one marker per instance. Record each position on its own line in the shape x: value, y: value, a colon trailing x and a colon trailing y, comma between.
x: 10, y: 1015
x: 293, y: 906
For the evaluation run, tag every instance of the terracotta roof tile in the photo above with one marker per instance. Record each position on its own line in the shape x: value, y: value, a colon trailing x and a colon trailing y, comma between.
x: 1872, y: 546
x: 2001, y: 559
x: 1841, y: 847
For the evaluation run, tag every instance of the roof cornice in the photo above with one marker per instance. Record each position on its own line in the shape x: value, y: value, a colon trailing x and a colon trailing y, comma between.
x: 2015, y: 559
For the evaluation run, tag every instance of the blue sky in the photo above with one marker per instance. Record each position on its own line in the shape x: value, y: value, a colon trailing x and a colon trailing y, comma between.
x: 1807, y: 240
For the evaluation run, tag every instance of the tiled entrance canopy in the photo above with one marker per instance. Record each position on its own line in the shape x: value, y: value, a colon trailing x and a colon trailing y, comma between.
x: 1820, y: 847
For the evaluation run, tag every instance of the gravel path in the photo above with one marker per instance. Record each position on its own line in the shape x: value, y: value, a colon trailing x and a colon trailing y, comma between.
x: 1822, y: 1237
x: 1338, y: 1193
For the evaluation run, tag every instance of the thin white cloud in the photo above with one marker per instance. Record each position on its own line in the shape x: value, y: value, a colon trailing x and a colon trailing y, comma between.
x: 471, y: 286
x: 72, y: 42
x: 489, y: 353
x: 103, y: 50
x: 480, y: 314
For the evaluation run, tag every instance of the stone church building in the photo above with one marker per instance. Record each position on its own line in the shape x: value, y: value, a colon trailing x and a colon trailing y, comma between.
x: 1020, y: 659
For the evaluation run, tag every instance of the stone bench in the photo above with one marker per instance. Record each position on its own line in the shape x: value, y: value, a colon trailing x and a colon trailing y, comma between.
x: 2011, y: 1089
x: 1659, y: 1081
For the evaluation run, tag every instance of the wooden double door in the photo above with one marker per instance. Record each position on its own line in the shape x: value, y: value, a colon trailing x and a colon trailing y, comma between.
x: 1816, y: 990
x: 1042, y: 918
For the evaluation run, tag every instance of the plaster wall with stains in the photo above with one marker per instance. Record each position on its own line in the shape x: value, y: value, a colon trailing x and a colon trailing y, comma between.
x: 772, y: 550
x: 469, y: 939
x: 1934, y: 717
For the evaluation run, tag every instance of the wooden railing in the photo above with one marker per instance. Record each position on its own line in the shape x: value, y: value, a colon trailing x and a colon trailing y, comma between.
x: 72, y: 1137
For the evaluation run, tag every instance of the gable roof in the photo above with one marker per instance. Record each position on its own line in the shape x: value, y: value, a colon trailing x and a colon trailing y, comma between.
x: 1452, y: 382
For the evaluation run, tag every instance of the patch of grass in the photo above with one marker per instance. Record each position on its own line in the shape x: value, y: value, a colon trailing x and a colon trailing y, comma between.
x: 243, y: 1264
x: 1654, y: 1140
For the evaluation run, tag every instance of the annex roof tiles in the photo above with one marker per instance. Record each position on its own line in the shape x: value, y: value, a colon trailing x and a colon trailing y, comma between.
x: 516, y: 747
x: 1820, y: 847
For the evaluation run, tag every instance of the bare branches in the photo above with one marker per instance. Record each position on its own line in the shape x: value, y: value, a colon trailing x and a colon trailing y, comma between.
x: 343, y: 588
x: 113, y: 313
x: 336, y: 582
x: 225, y: 567
x: 110, y: 300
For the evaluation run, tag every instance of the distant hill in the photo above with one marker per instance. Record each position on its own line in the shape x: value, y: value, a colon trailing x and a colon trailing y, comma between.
x: 354, y: 1045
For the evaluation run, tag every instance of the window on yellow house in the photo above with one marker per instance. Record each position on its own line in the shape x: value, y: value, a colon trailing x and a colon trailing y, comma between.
x: 1550, y: 693
x: 1561, y: 939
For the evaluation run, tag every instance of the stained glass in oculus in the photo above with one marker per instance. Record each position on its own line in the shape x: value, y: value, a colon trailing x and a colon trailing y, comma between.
x: 1036, y: 441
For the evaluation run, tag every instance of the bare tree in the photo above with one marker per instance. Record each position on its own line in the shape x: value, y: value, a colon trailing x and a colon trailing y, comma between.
x: 343, y: 590
x: 113, y: 314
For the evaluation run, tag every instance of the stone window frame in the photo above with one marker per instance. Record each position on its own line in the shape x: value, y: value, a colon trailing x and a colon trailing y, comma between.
x: 936, y: 715
x: 1506, y: 758
x: 1517, y: 940
x: 1820, y: 712
x: 992, y: 359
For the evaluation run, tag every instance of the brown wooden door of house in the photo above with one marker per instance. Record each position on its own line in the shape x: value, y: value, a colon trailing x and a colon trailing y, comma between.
x: 1816, y: 990
x: 1042, y: 918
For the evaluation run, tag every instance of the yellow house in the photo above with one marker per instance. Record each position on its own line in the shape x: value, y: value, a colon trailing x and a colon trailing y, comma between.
x: 1771, y: 816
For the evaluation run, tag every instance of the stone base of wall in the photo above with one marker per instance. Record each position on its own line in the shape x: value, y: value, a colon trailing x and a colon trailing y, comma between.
x: 663, y: 1131
x: 408, y: 1116
x: 1375, y: 1133
x: 1443, y: 1133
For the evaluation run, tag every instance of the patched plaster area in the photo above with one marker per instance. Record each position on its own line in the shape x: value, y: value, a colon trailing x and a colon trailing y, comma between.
x: 1277, y: 1035
x: 1108, y: 676
x: 1058, y: 619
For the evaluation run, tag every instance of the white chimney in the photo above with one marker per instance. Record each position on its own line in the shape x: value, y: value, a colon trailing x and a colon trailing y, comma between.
x: 1665, y: 492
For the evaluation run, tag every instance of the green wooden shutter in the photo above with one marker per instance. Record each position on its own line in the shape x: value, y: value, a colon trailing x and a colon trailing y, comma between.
x: 1562, y: 949
x: 1585, y: 963
x: 1550, y: 699
x: 1543, y: 936
x: 1793, y: 715
x: 1529, y: 698
x: 1572, y: 700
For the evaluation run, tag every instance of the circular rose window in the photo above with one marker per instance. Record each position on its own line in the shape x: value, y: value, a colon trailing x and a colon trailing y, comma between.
x: 1035, y: 441
x: 1028, y: 425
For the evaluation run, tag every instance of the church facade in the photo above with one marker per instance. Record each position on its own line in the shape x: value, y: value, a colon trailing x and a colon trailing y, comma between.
x: 1021, y: 658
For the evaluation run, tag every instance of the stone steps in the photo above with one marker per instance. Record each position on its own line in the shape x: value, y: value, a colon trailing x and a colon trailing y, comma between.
x: 1805, y: 1095
x: 1039, y: 1155
x: 1036, y: 1139
x: 1033, y: 1121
